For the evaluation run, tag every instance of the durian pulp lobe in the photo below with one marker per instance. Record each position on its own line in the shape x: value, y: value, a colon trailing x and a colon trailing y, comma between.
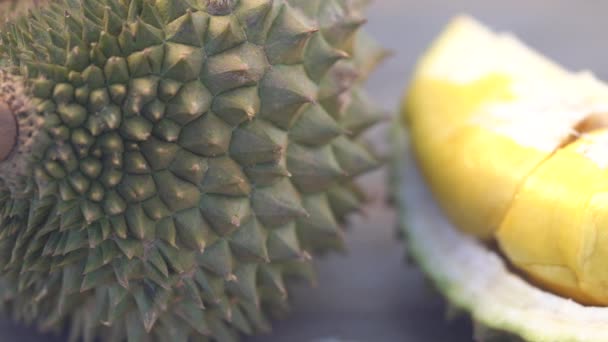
x: 443, y: 141
x: 563, y: 209
x: 475, y: 279
x: 494, y: 127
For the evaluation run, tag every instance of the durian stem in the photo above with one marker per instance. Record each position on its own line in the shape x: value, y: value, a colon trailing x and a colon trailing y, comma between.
x: 8, y: 131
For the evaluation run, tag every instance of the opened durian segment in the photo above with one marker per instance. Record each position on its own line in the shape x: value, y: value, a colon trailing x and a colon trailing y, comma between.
x: 513, y: 148
x: 491, y: 104
x: 476, y: 278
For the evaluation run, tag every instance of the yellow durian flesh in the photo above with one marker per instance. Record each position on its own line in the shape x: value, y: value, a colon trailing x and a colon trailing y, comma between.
x: 493, y: 127
x: 557, y: 227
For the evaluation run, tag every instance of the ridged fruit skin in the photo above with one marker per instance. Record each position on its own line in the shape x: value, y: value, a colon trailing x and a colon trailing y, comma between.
x: 188, y: 156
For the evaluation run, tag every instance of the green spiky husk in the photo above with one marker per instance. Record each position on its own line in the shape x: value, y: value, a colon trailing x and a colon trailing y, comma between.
x: 188, y: 158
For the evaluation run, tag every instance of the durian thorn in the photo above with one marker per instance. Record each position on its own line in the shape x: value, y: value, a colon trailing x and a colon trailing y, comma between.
x: 360, y: 22
x: 41, y: 295
x: 283, y: 292
x: 305, y: 256
x: 9, y: 131
x: 312, y: 31
x: 340, y: 54
x: 345, y: 131
x: 148, y: 321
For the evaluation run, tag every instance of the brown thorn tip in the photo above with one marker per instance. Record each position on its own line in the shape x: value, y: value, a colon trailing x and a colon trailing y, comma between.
x: 8, y: 131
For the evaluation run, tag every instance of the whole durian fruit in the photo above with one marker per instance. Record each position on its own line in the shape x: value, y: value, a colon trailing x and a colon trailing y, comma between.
x: 166, y: 164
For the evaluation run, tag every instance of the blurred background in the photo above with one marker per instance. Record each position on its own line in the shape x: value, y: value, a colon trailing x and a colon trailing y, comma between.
x: 372, y: 294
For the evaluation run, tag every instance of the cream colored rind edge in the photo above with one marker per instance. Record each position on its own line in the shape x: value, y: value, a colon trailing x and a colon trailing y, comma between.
x: 476, y: 279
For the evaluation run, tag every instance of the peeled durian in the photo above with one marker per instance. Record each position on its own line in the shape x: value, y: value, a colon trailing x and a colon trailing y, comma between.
x: 166, y: 165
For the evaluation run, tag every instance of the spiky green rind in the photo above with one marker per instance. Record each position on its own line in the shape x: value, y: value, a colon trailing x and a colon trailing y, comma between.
x: 191, y: 156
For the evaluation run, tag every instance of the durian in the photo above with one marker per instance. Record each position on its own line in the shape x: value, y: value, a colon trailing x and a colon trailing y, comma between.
x: 503, y: 195
x: 167, y: 165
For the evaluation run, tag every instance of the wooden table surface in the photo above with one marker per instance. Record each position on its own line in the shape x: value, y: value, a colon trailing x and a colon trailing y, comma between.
x: 371, y: 294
